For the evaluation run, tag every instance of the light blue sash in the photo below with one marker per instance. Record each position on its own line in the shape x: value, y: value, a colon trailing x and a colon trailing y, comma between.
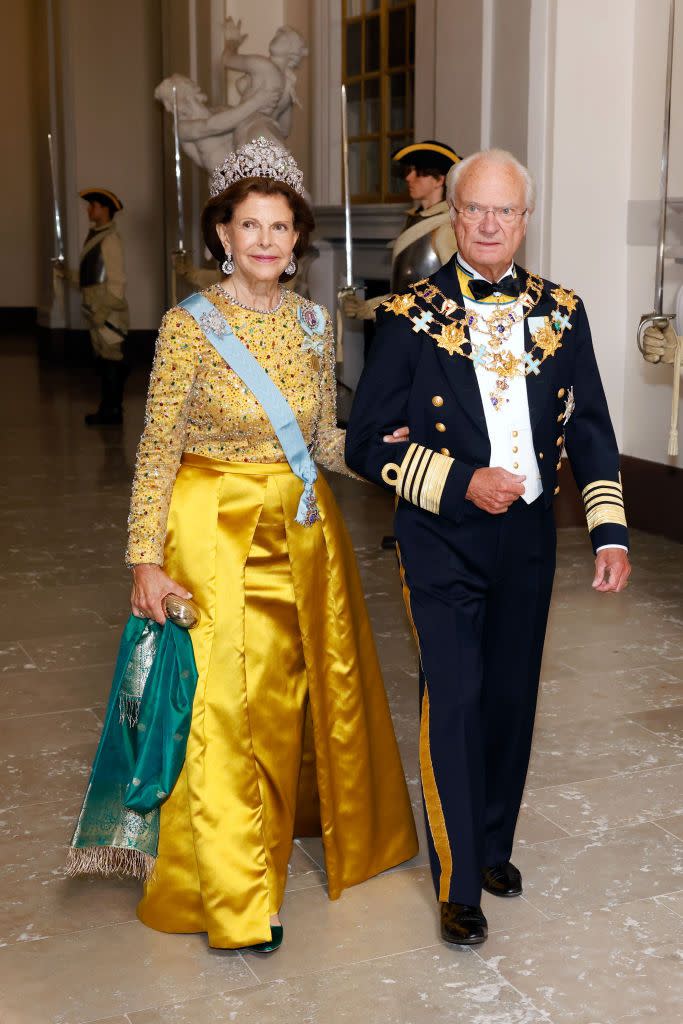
x: 275, y: 405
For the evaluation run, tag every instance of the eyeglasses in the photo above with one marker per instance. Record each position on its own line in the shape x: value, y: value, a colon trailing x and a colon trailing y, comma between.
x: 473, y: 213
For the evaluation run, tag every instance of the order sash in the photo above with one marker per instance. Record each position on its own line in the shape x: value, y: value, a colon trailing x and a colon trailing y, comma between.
x: 275, y: 405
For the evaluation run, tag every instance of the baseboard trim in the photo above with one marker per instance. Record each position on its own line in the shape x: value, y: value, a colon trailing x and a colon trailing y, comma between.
x: 18, y: 318
x: 653, y: 494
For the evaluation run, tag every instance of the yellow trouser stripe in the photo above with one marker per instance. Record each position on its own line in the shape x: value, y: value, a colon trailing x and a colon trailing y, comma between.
x: 437, y: 821
x: 435, y: 815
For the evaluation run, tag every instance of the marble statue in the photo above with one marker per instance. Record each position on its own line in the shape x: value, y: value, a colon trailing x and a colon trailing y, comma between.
x: 266, y: 87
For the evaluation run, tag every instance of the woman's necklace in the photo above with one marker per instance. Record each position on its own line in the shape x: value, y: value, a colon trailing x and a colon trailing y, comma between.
x: 254, y: 309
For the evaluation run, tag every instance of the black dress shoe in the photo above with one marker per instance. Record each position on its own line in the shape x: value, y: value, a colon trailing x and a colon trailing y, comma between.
x: 502, y: 880
x: 462, y: 925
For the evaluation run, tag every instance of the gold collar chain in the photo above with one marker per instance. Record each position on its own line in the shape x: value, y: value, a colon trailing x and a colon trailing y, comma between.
x: 452, y: 320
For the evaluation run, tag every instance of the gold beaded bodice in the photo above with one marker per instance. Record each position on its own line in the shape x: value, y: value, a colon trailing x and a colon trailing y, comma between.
x: 197, y: 404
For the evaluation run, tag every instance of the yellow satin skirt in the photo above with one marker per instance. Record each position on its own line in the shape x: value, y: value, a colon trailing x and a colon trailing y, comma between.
x: 291, y: 732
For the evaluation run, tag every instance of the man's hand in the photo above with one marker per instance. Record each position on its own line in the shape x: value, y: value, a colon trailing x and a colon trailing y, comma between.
x: 612, y: 570
x: 660, y: 343
x: 494, y: 490
x: 400, y: 434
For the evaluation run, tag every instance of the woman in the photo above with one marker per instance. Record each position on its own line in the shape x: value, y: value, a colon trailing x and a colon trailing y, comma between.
x: 291, y: 731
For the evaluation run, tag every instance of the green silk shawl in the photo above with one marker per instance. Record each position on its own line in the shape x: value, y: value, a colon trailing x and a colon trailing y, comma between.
x: 140, y: 753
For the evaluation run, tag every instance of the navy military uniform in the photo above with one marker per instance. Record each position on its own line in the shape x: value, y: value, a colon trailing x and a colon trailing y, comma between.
x: 478, y: 586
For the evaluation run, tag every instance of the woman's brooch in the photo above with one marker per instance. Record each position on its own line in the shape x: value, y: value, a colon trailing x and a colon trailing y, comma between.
x: 312, y: 320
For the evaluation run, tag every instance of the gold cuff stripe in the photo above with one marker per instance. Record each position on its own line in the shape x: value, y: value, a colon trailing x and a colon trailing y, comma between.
x: 422, y: 477
x: 407, y: 472
x: 420, y: 472
x: 603, y: 498
x: 435, y: 815
x: 606, y: 513
x: 610, y: 484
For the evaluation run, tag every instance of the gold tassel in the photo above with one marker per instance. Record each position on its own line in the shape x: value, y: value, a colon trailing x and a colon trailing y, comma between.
x: 123, y: 862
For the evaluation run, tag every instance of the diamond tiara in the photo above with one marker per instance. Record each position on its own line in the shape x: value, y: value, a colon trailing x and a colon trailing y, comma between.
x: 260, y: 158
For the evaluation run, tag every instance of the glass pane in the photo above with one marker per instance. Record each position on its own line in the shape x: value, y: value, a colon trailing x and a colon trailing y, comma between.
x: 397, y: 38
x: 372, y: 44
x: 372, y: 106
x: 354, y: 168
x: 353, y: 7
x: 372, y: 5
x: 372, y: 167
x: 397, y: 103
x: 353, y: 45
x: 396, y: 184
x: 411, y: 37
x: 410, y: 104
x: 353, y: 108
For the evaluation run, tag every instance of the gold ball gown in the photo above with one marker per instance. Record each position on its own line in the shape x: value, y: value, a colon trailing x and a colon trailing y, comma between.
x: 291, y: 732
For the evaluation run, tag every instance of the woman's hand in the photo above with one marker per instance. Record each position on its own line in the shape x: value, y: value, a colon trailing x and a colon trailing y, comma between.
x: 150, y: 587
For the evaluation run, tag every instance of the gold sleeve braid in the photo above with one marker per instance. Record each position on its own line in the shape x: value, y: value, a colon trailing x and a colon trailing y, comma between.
x: 421, y: 477
x: 163, y: 438
x: 329, y: 443
x: 604, y: 503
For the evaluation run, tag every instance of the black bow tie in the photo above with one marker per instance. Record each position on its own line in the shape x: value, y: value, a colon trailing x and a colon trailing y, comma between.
x: 481, y: 289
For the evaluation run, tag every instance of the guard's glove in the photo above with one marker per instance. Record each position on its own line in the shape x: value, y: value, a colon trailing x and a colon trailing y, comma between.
x: 360, y: 309
x: 660, y: 343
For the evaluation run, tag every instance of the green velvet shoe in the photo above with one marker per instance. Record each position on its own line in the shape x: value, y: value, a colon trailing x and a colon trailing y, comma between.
x: 276, y: 933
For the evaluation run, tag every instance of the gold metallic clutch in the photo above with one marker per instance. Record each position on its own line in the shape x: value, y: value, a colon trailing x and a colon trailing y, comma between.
x: 181, y: 611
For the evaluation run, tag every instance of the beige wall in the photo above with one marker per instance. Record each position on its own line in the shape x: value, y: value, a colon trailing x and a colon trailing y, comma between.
x: 510, y: 76
x: 606, y: 150
x: 21, y: 228
x: 113, y: 134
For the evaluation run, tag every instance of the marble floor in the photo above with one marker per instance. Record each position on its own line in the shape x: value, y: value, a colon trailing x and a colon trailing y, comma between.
x: 596, y: 938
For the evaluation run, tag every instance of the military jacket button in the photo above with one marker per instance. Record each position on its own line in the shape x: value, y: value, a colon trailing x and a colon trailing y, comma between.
x: 561, y: 393
x: 540, y: 455
x: 557, y: 490
x: 441, y: 427
x: 559, y: 465
x: 560, y: 417
x: 437, y: 400
x: 445, y: 451
x: 559, y: 441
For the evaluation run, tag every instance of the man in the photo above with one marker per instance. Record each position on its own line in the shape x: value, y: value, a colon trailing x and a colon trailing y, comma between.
x: 493, y: 370
x: 102, y: 280
x: 427, y: 240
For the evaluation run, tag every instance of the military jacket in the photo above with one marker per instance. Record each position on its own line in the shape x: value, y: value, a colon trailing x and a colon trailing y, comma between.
x: 421, y: 372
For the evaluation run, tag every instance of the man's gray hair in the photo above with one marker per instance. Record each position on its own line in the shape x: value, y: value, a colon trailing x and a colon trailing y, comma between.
x: 497, y: 156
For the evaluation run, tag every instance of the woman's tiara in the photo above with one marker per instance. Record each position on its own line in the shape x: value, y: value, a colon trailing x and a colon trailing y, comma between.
x: 260, y: 158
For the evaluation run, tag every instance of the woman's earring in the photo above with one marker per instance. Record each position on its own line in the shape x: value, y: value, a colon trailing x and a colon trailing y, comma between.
x: 291, y: 266
x: 228, y: 266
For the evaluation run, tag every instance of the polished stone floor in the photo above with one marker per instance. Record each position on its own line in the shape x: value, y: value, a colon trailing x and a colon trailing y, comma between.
x: 596, y: 938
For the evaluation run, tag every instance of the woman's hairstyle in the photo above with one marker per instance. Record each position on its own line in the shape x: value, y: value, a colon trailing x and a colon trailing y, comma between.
x: 221, y: 208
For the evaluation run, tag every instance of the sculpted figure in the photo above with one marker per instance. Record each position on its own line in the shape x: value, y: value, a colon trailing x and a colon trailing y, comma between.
x: 266, y: 87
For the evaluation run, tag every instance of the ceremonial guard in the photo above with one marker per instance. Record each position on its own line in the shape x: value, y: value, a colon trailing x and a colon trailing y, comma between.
x: 426, y: 241
x: 102, y: 281
x: 493, y: 370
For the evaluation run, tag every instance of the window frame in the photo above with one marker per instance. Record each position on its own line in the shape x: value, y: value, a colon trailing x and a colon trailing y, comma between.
x: 388, y: 139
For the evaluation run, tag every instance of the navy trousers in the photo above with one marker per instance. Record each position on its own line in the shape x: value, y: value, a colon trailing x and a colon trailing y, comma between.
x: 478, y: 595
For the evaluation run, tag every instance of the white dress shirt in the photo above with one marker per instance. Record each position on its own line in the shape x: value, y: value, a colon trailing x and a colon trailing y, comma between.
x: 508, y: 424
